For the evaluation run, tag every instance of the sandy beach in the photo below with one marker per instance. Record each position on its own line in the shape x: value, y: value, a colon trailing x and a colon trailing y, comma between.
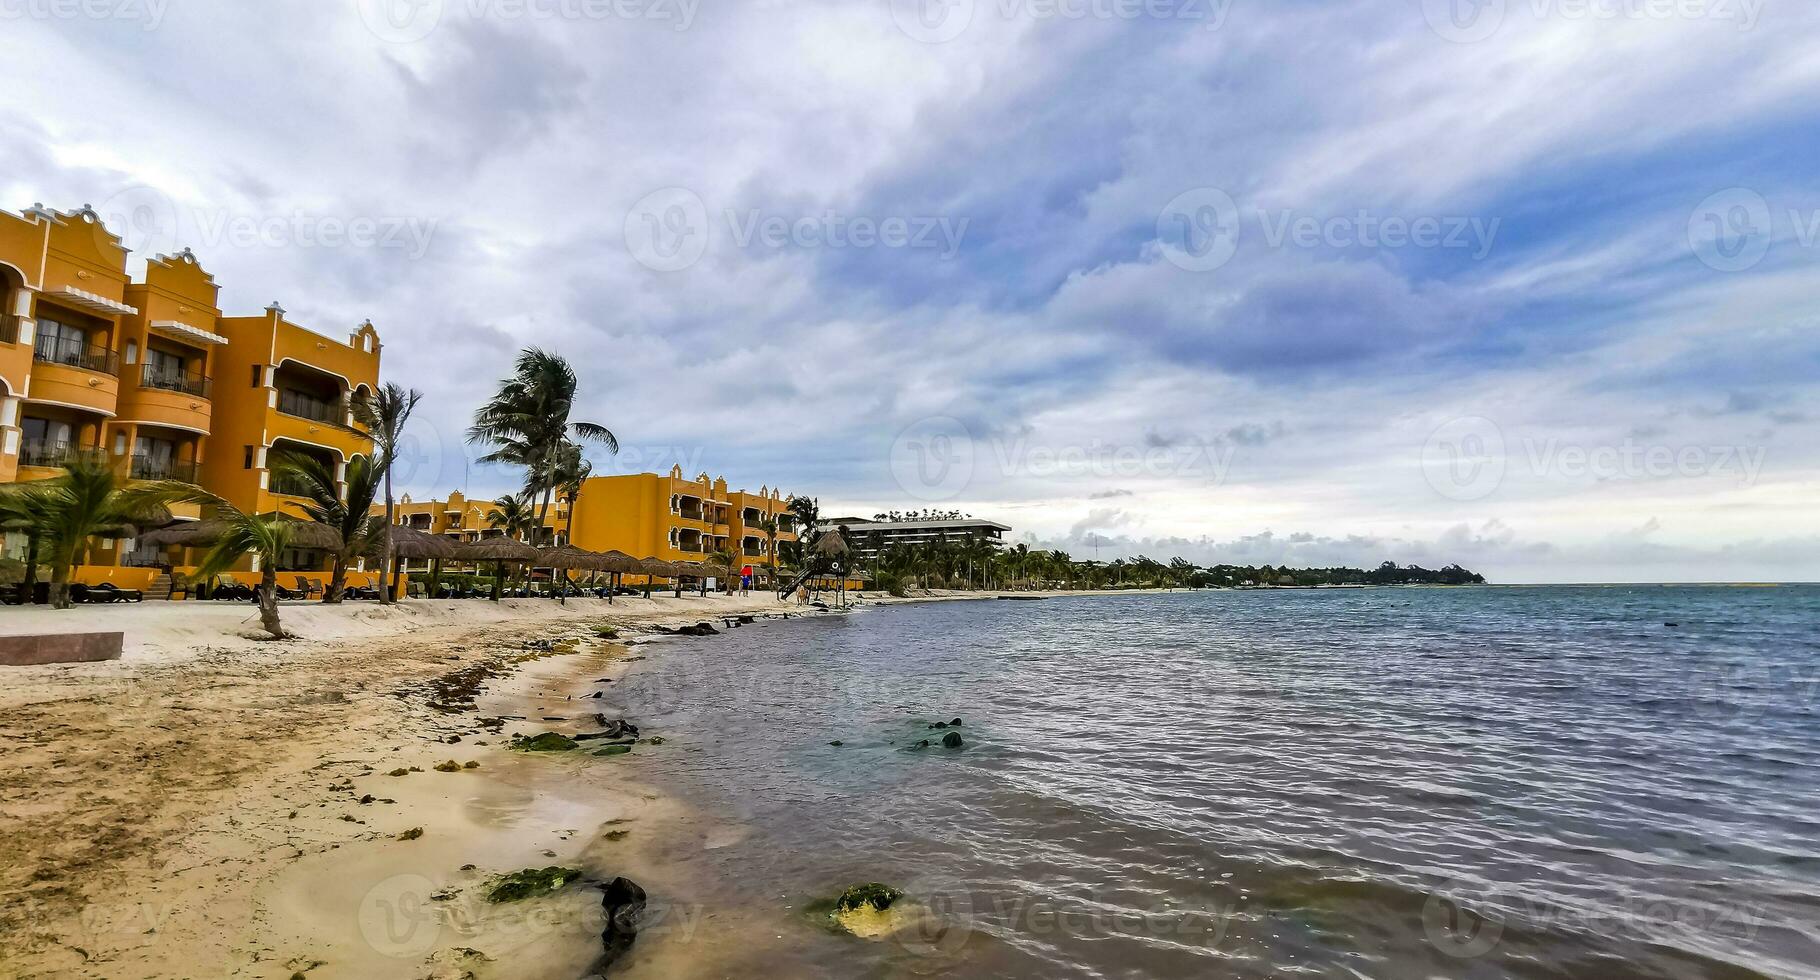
x: 216, y: 804
x: 196, y: 808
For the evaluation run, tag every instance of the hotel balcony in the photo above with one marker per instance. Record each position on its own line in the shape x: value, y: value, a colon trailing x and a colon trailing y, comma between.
x: 88, y: 357
x: 306, y: 406
x: 83, y: 376
x: 48, y: 456
x: 193, y: 385
x: 9, y: 328
x: 154, y: 468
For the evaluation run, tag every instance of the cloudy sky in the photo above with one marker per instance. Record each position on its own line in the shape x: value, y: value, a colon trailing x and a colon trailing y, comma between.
x: 1530, y: 285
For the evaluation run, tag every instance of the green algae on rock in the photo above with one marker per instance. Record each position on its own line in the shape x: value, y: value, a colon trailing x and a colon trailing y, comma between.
x: 531, y: 882
x: 545, y: 742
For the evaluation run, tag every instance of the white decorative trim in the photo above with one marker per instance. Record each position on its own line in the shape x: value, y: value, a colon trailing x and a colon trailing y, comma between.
x: 184, y: 331
x: 94, y: 303
x: 162, y: 425
x: 79, y: 408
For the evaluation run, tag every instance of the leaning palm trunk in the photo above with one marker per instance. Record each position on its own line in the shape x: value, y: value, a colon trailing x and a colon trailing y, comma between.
x: 499, y: 575
x: 29, y: 584
x: 60, y: 586
x: 338, y: 580
x: 387, y: 595
x: 268, y: 602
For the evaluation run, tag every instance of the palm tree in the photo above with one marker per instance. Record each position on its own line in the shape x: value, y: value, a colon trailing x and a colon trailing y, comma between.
x: 527, y: 421
x: 344, y: 507
x: 265, y: 537
x: 90, y: 500
x: 572, y: 470
x: 19, y: 515
x: 512, y: 515
x: 384, y: 414
x: 768, y: 524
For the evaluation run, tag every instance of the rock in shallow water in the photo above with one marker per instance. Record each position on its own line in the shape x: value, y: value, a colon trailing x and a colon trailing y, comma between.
x: 545, y: 742
x: 952, y: 740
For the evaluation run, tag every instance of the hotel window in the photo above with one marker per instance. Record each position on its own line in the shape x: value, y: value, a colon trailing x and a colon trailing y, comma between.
x: 155, y: 456
x: 248, y: 462
x: 163, y: 369
x: 59, y: 342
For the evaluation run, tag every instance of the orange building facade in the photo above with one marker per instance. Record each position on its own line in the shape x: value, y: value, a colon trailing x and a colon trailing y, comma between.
x: 153, y: 376
x: 645, y: 515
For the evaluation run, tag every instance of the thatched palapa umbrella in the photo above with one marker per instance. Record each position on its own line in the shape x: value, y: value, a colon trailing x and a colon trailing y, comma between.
x: 834, y: 545
x: 617, y: 563
x: 497, y: 549
x: 410, y: 544
x: 566, y: 557
x: 204, y: 534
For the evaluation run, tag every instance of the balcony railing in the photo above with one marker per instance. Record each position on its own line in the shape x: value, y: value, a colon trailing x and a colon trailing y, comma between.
x: 154, y: 468
x: 47, y: 453
x: 310, y: 407
x: 73, y: 353
x: 190, y: 384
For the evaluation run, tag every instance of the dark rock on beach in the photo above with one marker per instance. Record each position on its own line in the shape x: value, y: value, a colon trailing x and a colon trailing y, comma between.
x: 545, y: 742
x: 623, y: 901
x: 531, y: 881
x: 613, y: 729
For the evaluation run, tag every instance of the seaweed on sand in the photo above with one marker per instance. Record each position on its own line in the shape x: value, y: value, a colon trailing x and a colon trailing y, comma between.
x: 530, y: 882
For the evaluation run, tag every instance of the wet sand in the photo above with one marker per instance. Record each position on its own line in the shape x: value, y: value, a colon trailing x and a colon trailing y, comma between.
x: 195, y: 809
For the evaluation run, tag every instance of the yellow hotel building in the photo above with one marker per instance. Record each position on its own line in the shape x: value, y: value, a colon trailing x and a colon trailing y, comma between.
x: 155, y: 376
x: 644, y: 515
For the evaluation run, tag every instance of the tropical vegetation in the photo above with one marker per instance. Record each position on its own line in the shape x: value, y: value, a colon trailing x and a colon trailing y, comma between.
x: 384, y: 414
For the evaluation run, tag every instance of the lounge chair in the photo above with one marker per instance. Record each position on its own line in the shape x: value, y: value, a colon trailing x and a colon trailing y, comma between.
x: 310, y: 588
x: 109, y: 592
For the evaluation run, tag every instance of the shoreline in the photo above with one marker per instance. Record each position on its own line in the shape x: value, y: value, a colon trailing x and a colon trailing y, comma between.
x: 197, y: 805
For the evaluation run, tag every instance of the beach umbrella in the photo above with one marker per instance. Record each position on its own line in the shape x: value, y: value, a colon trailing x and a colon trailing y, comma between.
x: 619, y: 562
x: 408, y: 542
x: 204, y: 533
x: 566, y: 557
x: 497, y: 549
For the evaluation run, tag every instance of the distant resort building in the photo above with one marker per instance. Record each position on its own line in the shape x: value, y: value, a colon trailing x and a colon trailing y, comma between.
x: 644, y: 515
x: 870, y: 538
